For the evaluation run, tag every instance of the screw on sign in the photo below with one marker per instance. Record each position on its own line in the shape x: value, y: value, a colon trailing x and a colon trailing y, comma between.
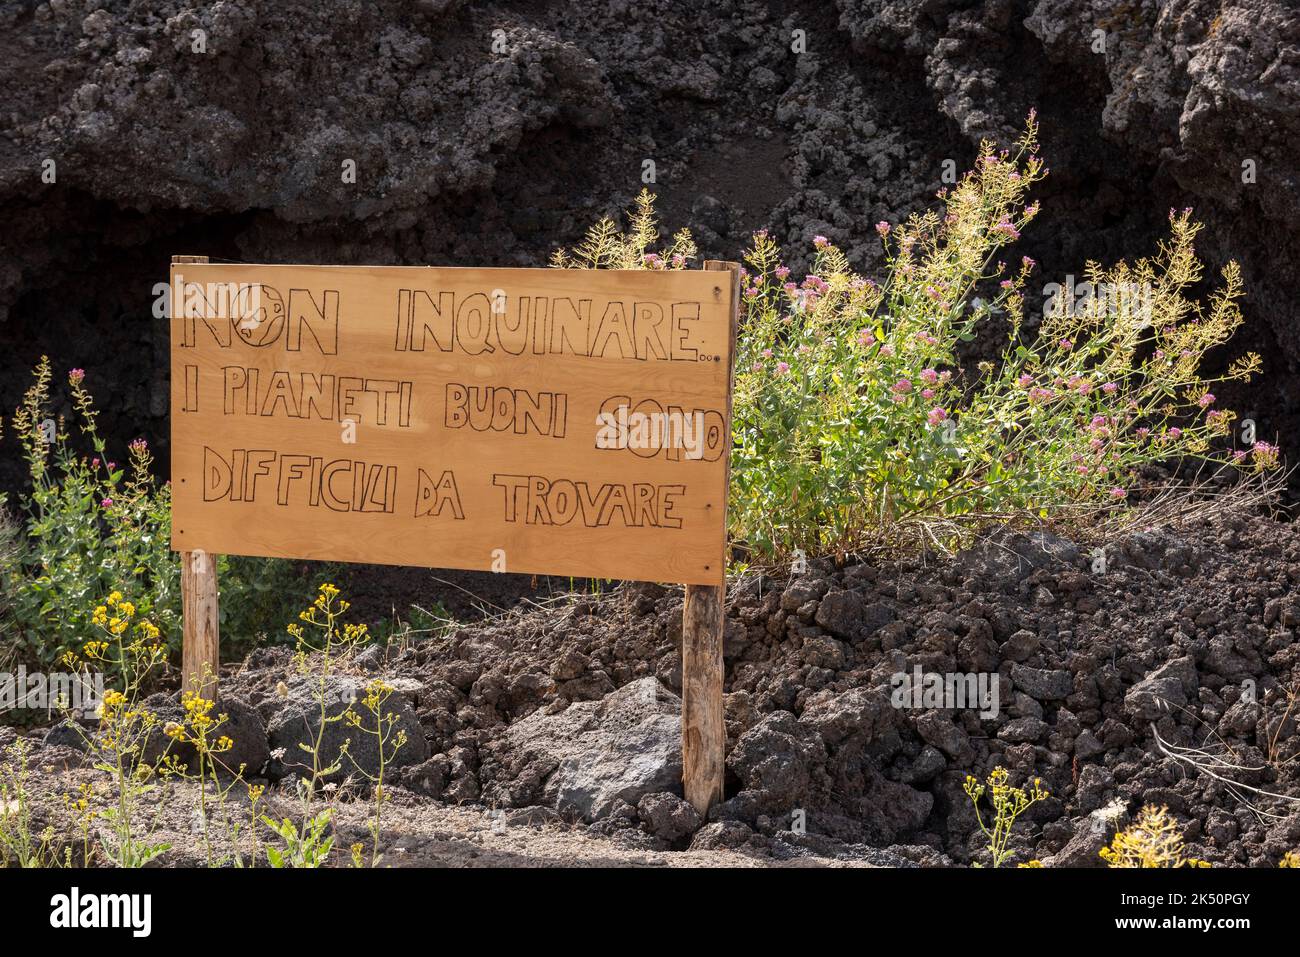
x: 578, y: 421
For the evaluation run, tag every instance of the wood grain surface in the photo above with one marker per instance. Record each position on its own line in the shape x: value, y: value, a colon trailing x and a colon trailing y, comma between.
x: 567, y: 422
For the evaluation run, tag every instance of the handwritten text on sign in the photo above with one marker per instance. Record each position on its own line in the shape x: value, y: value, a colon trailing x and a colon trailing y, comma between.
x: 566, y: 422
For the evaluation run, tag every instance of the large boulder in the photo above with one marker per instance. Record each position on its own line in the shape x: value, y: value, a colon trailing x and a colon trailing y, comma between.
x: 774, y: 761
x: 607, y: 752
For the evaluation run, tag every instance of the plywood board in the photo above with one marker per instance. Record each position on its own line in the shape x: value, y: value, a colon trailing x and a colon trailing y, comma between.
x: 568, y: 422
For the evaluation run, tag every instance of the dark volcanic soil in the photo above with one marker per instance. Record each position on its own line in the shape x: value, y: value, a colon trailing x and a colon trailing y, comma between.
x: 1186, y: 639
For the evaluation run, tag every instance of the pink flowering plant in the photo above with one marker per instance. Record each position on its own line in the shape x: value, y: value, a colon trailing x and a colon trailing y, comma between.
x: 855, y: 413
x: 860, y: 412
x: 851, y: 406
x: 93, y: 526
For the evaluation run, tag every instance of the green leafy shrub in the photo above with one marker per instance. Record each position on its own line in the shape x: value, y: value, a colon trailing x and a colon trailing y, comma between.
x: 856, y: 420
x: 92, y: 526
x: 258, y: 595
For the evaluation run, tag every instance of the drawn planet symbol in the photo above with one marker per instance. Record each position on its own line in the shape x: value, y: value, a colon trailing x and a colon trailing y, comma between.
x: 262, y: 318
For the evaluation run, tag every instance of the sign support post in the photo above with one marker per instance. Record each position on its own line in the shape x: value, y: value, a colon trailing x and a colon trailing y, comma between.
x: 704, y: 733
x: 200, y: 606
x: 201, y: 651
x: 704, y: 730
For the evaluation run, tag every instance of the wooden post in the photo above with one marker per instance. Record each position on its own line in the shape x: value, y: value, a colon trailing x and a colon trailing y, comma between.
x: 201, y: 630
x: 200, y: 654
x: 704, y: 730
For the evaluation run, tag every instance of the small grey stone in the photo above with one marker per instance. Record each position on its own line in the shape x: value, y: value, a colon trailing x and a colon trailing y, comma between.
x: 1087, y: 746
x: 667, y: 816
x: 1023, y: 730
x: 1043, y: 684
x: 1164, y: 690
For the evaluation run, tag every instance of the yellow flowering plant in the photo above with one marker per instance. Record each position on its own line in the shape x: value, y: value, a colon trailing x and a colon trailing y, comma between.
x: 1153, y: 840
x: 321, y: 636
x: 20, y: 844
x: 200, y: 730
x: 133, y: 648
x: 83, y: 813
x: 381, y: 724
x: 323, y: 641
x: 1008, y: 804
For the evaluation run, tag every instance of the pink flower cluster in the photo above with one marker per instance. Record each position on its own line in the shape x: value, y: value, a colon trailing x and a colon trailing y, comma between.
x: 1006, y: 228
x: 1266, y: 454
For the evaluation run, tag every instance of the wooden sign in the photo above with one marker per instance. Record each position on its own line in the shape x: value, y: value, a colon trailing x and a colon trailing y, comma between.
x: 568, y: 422
x: 551, y: 421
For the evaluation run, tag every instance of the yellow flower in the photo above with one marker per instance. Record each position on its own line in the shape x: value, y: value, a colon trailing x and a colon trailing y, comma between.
x: 1153, y: 840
